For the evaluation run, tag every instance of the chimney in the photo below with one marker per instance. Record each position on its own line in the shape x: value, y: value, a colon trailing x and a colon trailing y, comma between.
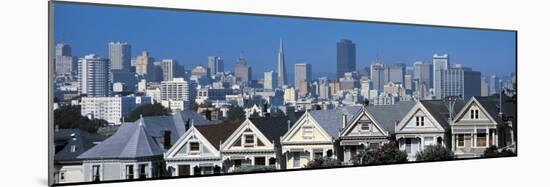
x: 344, y: 120
x: 287, y: 125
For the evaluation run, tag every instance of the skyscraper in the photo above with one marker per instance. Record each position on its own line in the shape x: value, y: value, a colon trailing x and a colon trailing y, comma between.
x: 120, y: 56
x: 494, y: 85
x: 324, y: 88
x: 64, y: 60
x: 377, y: 77
x: 484, y: 87
x: 270, y: 81
x: 94, y: 76
x: 460, y: 82
x: 423, y: 73
x: 281, y: 68
x: 302, y: 72
x: 144, y: 64
x: 215, y: 64
x: 168, y: 67
x: 345, y: 56
x: 243, y: 72
x: 440, y: 63
x: 395, y: 73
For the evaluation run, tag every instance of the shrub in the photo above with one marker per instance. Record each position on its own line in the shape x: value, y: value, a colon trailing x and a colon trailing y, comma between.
x: 435, y: 153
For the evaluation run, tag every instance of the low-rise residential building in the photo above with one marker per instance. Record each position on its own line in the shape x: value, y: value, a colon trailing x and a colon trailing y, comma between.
x: 427, y: 123
x: 197, y: 152
x: 313, y: 135
x: 372, y: 127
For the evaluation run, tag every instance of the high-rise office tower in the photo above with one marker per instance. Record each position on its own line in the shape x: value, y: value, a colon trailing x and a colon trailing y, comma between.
x: 324, y: 88
x: 377, y: 76
x: 461, y: 82
x: 169, y: 67
x: 440, y: 64
x: 494, y: 85
x: 281, y: 68
x: 345, y: 57
x: 302, y: 72
x: 120, y: 56
x: 64, y: 61
x: 423, y: 73
x: 408, y: 84
x: 270, y: 80
x: 484, y: 87
x: 215, y: 64
x: 144, y: 64
x: 395, y: 73
x: 243, y: 72
x: 94, y: 76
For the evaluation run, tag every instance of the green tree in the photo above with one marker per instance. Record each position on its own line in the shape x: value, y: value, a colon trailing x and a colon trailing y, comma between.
x: 69, y: 117
x: 148, y: 110
x: 494, y: 152
x: 387, y: 154
x: 235, y: 112
x: 323, y: 162
x: 435, y: 153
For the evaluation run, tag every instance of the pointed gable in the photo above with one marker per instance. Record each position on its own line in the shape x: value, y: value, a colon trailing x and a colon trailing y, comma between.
x: 475, y: 111
x: 383, y: 119
x: 239, y: 138
x: 428, y: 115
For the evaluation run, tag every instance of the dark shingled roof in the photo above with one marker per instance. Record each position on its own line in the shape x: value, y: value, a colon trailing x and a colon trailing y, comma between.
x: 82, y: 141
x: 387, y: 115
x: 275, y: 127
x: 217, y: 133
x: 440, y: 111
x: 492, y: 106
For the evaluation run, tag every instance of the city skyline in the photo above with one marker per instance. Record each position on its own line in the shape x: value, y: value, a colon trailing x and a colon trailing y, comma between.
x: 478, y: 49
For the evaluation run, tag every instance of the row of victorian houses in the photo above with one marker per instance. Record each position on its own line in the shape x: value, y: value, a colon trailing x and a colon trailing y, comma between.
x: 188, y: 145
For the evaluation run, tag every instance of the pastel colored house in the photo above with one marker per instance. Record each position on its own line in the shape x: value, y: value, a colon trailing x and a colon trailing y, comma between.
x: 314, y: 135
x: 372, y: 126
x: 427, y: 123
x: 197, y: 152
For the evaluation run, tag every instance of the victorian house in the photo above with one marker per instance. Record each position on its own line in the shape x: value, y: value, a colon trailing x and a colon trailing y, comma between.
x: 314, y: 135
x: 427, y: 123
x: 197, y: 152
x: 256, y: 142
x: 371, y: 127
x: 479, y: 125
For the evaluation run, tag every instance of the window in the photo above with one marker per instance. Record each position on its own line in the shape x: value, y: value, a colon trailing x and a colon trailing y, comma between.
x: 307, y: 132
x: 129, y: 171
x: 365, y: 126
x: 419, y: 121
x: 194, y: 147
x: 471, y: 114
x: 296, y: 159
x: 142, y: 171
x: 272, y: 161
x: 474, y: 114
x: 477, y: 114
x: 317, y: 154
x: 481, y: 140
x: 428, y: 141
x: 62, y: 176
x: 95, y: 173
x: 248, y: 140
x: 460, y: 140
x: 259, y: 161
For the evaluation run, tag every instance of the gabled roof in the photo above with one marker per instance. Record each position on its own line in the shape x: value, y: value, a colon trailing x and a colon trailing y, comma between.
x: 440, y: 111
x: 81, y: 140
x: 274, y: 127
x: 492, y: 106
x: 331, y: 120
x: 388, y: 115
x: 130, y: 141
x: 218, y: 133
x: 183, y: 117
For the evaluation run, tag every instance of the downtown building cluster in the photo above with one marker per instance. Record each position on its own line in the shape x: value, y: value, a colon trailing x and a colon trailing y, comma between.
x: 286, y: 123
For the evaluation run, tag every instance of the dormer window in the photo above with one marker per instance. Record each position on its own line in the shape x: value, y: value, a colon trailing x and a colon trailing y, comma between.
x: 474, y: 114
x: 419, y: 121
x: 194, y: 147
x: 307, y: 132
x: 248, y: 140
x: 365, y: 126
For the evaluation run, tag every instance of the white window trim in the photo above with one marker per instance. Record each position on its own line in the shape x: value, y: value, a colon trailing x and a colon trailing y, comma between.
x: 369, y: 124
x: 191, y: 152
x: 304, y: 136
x: 463, y: 140
x: 243, y: 139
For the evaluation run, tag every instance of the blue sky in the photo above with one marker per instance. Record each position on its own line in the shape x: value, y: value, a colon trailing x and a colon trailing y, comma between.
x: 190, y: 37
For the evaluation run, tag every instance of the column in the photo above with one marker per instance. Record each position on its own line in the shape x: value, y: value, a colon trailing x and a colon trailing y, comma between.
x: 487, y: 137
x: 453, y: 146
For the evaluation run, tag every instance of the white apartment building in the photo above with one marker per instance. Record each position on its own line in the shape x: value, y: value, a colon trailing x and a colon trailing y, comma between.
x: 177, y: 94
x: 111, y: 109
